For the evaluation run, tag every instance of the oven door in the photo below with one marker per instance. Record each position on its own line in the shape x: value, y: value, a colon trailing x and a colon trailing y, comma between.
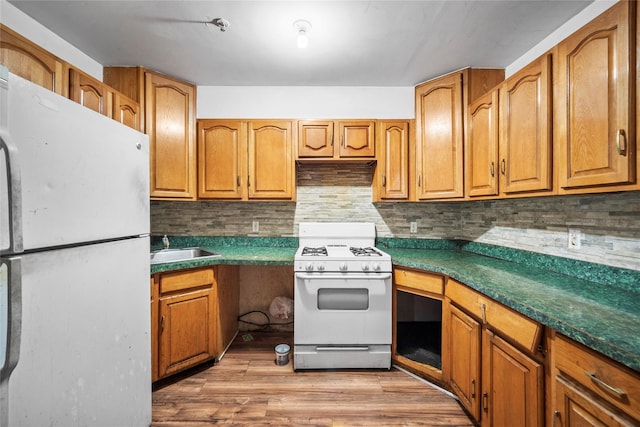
x: 337, y: 309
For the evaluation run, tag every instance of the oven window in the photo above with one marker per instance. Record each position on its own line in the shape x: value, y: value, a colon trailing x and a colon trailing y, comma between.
x: 343, y: 299
x: 419, y: 328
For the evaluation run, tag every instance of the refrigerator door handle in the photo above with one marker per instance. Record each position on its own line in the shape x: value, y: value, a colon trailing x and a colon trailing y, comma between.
x: 11, y: 269
x: 14, y: 181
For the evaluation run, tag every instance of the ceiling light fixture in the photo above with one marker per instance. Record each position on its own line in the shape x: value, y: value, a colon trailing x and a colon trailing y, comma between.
x: 221, y: 23
x: 303, y: 28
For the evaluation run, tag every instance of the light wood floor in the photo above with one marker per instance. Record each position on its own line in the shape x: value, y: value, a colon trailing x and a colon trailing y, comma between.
x: 247, y: 388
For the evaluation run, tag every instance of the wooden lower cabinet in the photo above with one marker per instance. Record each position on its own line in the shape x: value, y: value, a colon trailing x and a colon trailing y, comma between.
x: 512, y: 385
x: 590, y: 389
x: 194, y: 317
x: 464, y: 338
x: 575, y: 408
x: 186, y: 319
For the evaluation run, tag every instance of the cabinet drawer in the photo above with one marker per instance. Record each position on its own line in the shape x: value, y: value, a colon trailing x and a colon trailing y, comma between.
x: 616, y: 384
x: 519, y: 328
x: 428, y: 282
x: 172, y: 282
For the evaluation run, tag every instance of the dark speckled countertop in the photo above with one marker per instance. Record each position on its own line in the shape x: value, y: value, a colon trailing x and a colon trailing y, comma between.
x: 594, y: 304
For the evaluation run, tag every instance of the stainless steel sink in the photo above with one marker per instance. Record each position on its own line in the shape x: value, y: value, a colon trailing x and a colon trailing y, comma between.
x: 186, y: 254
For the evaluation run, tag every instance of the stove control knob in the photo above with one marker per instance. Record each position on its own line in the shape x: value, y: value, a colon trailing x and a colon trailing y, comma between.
x: 343, y: 266
x: 309, y: 266
x: 375, y: 266
x: 320, y: 266
x: 365, y: 266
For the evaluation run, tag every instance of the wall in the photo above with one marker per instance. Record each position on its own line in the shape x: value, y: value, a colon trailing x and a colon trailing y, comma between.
x: 609, y: 223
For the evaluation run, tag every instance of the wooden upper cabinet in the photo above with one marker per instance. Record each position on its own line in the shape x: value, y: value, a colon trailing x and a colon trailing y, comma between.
x: 357, y: 138
x: 595, y: 118
x: 482, y: 146
x: 526, y: 121
x: 270, y: 160
x: 170, y: 124
x: 334, y: 140
x: 222, y: 158
x: 391, y: 178
x: 90, y: 92
x: 126, y: 111
x: 31, y: 62
x: 315, y: 138
x: 441, y: 107
x: 167, y: 115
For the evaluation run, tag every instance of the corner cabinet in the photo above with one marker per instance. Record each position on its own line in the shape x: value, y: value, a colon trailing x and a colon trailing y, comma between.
x: 594, y: 102
x: 441, y: 109
x: 391, y: 177
x: 169, y: 107
x: 323, y: 140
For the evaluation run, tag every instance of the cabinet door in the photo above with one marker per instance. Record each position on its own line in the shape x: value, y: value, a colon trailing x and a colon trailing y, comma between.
x: 512, y: 385
x: 526, y: 129
x: 90, y: 93
x: 439, y: 138
x: 30, y: 61
x: 315, y: 138
x: 574, y: 408
x: 271, y: 167
x: 594, y: 102
x: 126, y: 110
x: 392, y: 169
x: 482, y: 146
x: 170, y: 124
x: 464, y: 353
x: 187, y: 330
x: 222, y: 154
x: 357, y: 138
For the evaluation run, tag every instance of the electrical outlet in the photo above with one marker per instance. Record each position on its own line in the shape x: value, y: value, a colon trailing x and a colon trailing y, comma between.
x: 413, y: 227
x: 574, y: 239
x: 255, y: 226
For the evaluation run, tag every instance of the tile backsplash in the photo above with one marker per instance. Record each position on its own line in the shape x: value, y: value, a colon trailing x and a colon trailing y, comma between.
x: 609, y: 224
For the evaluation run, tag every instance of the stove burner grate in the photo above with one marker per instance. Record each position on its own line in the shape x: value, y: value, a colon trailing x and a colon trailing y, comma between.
x: 321, y: 251
x: 364, y: 251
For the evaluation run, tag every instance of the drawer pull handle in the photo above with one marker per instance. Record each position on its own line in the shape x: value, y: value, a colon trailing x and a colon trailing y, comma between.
x: 491, y: 169
x: 384, y: 180
x: 485, y: 402
x: 483, y: 307
x: 606, y: 386
x: 473, y: 389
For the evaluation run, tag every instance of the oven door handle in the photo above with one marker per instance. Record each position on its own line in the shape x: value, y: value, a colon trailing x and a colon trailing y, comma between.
x: 350, y: 348
x: 333, y: 276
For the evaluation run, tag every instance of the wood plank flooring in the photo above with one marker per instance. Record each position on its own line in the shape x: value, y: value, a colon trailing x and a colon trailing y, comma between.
x: 247, y: 388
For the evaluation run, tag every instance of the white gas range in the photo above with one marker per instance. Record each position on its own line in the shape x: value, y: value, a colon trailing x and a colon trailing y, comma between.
x: 342, y: 298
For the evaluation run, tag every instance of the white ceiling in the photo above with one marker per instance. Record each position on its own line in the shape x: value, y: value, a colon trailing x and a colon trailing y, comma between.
x: 351, y: 43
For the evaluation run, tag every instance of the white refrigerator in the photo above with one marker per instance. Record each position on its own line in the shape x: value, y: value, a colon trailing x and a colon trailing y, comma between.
x: 74, y: 264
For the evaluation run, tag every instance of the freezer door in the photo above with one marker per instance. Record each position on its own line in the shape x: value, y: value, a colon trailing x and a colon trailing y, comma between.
x: 85, y: 346
x: 83, y: 177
